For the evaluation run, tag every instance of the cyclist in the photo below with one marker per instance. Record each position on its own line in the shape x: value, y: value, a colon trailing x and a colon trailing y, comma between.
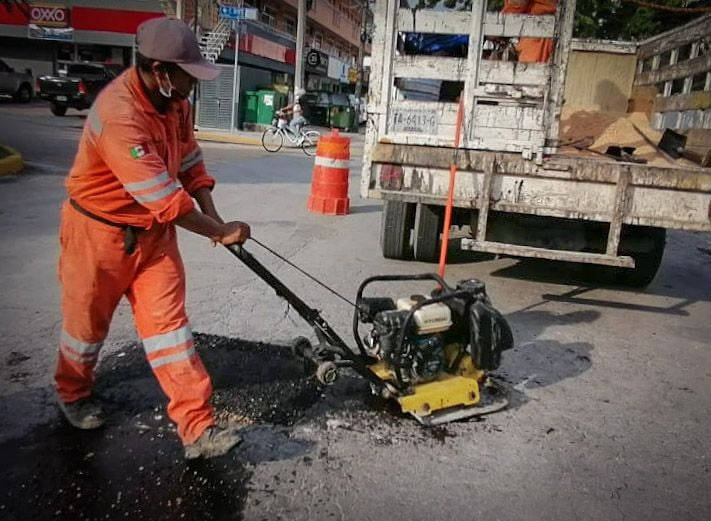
x: 295, y: 109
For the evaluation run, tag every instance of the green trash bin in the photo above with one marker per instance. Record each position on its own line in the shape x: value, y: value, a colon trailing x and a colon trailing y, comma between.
x: 342, y: 117
x: 250, y: 106
x: 268, y: 102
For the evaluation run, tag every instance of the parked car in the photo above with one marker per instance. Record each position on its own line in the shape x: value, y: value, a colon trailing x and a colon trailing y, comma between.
x: 79, y: 88
x: 329, y: 110
x: 315, y: 106
x: 15, y: 84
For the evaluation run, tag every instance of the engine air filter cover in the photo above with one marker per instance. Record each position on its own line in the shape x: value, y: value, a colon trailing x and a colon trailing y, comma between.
x: 433, y: 318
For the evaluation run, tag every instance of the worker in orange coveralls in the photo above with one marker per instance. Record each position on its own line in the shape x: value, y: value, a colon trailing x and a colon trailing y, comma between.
x: 532, y: 49
x: 134, y: 179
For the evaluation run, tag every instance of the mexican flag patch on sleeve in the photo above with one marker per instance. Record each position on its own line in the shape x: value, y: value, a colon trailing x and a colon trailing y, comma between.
x: 137, y: 152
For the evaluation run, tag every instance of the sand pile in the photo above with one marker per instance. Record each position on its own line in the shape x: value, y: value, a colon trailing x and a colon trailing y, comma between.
x: 608, y: 128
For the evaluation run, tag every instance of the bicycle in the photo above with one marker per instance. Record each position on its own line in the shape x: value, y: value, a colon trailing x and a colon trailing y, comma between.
x: 273, y: 137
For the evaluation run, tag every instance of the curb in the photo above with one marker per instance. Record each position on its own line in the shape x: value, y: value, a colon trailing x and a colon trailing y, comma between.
x: 12, y: 164
x: 217, y: 137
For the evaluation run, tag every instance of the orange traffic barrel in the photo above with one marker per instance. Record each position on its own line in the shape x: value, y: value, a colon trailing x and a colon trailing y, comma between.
x: 329, y: 185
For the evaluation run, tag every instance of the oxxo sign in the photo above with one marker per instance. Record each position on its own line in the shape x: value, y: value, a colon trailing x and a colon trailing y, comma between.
x: 49, y: 16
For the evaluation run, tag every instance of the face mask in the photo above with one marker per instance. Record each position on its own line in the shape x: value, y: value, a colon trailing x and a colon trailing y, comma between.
x: 168, y: 93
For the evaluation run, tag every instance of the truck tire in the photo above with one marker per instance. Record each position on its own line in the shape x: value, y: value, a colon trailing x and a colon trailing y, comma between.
x: 396, y: 224
x: 57, y: 109
x: 647, y: 258
x: 427, y: 228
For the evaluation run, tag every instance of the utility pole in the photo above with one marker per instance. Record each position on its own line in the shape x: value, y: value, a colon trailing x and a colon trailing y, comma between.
x: 300, y: 33
x: 195, y: 30
x: 236, y: 76
x: 361, y: 47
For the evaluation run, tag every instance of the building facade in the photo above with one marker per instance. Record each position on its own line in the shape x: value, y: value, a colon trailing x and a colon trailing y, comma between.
x: 333, y: 34
x: 45, y: 35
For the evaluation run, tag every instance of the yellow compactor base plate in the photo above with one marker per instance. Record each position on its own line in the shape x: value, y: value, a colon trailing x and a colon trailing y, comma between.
x: 450, y: 397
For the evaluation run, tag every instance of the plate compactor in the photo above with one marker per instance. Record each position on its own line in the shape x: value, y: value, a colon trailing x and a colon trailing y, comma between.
x: 429, y: 353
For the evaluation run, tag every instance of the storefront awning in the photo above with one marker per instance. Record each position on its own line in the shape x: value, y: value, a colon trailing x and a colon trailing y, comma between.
x: 250, y: 60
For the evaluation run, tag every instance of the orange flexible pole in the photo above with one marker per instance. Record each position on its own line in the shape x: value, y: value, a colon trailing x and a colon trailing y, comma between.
x: 450, y: 195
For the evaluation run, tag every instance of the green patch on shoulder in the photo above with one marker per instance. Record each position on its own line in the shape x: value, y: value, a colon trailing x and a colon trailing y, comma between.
x: 137, y: 152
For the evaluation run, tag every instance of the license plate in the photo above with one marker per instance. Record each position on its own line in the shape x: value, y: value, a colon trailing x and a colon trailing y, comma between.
x: 61, y: 98
x: 415, y: 121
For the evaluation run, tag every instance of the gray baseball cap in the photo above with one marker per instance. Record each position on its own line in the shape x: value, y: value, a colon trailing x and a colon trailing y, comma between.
x: 170, y: 40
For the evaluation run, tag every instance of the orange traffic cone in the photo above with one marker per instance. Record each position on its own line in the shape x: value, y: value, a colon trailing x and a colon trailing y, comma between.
x: 329, y: 185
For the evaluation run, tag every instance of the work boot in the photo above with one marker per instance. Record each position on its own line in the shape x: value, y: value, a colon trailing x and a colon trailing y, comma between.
x: 215, y: 441
x: 86, y: 413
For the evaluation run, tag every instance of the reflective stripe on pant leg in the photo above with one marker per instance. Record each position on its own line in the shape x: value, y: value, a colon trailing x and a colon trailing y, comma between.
x: 169, y: 348
x: 75, y: 367
x: 93, y: 274
x: 157, y: 296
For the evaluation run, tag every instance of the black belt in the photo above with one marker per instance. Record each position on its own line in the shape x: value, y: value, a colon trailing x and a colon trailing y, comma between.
x: 130, y: 233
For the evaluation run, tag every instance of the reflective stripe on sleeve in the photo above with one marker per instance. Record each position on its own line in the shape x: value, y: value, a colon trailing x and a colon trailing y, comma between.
x: 191, y: 160
x: 94, y: 120
x: 157, y: 195
x: 161, y: 178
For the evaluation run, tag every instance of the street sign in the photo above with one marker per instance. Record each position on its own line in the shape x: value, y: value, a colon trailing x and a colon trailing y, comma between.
x: 238, y: 13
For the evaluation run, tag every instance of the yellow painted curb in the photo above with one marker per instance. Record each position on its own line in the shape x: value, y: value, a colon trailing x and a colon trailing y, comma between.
x: 12, y: 164
x: 226, y: 138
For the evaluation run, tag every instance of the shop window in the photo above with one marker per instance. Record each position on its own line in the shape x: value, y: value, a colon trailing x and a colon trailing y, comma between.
x: 95, y: 53
x: 65, y: 52
x: 290, y: 25
x: 268, y: 15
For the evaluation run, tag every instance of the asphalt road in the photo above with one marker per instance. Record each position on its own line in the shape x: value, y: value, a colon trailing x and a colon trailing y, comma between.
x: 610, y: 387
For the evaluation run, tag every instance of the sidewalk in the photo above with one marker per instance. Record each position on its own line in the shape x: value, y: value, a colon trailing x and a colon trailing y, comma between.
x: 245, y: 137
x: 240, y: 137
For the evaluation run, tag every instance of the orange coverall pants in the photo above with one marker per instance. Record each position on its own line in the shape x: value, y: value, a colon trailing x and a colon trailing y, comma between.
x: 95, y: 273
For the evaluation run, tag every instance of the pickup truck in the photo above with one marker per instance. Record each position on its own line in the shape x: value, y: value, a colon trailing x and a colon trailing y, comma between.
x: 15, y: 84
x: 519, y: 189
x: 78, y: 88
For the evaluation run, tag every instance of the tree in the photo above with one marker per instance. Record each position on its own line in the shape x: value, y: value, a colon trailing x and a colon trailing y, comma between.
x: 625, y: 20
x: 604, y: 19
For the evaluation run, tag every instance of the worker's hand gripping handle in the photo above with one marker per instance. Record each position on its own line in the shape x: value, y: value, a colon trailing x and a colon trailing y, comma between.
x: 236, y: 250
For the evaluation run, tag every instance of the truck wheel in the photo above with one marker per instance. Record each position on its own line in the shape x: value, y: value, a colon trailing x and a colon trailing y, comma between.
x: 57, y: 109
x: 396, y: 223
x: 24, y: 93
x: 645, y: 245
x: 427, y: 228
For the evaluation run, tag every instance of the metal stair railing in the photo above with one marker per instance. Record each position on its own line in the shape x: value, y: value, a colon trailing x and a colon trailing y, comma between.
x: 212, y: 42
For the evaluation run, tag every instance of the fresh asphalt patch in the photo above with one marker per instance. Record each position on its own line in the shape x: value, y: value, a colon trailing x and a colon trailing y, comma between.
x: 133, y: 466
